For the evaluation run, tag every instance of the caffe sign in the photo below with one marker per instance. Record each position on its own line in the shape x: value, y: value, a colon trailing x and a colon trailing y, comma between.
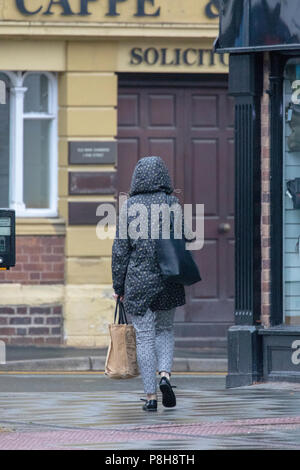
x: 84, y: 8
x: 112, y: 8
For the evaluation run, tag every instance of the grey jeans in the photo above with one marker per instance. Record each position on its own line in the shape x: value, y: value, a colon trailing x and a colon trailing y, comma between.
x: 154, y: 344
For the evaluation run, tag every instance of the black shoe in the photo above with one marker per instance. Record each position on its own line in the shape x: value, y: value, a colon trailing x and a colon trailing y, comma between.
x: 168, y: 396
x: 150, y: 405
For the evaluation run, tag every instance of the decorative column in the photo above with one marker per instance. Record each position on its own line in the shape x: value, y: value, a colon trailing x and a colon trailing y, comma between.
x: 244, y: 344
x: 2, y: 92
x: 16, y: 146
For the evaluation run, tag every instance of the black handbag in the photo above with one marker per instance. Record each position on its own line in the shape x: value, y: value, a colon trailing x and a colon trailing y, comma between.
x: 176, y: 263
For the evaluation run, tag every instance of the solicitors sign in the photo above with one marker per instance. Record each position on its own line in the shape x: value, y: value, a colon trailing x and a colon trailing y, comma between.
x: 178, y: 56
x: 170, y: 56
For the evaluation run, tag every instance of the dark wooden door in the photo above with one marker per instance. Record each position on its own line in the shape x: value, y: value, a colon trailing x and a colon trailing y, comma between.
x: 190, y: 125
x: 150, y: 123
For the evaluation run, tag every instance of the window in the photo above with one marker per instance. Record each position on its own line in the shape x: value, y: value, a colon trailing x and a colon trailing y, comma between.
x: 28, y: 144
x: 291, y: 186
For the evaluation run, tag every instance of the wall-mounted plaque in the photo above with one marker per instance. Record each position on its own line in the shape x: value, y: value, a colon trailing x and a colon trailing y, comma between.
x: 91, y: 153
x: 84, y: 213
x: 92, y: 182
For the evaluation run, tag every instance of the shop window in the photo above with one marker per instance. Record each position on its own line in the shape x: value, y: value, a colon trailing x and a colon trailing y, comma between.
x: 28, y: 144
x: 291, y: 193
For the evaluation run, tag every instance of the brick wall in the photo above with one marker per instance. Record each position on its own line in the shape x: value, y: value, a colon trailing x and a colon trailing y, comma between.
x: 39, y: 260
x: 24, y: 325
x: 265, y: 197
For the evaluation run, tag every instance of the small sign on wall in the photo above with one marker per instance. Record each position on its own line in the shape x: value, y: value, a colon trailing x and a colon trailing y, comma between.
x: 90, y: 153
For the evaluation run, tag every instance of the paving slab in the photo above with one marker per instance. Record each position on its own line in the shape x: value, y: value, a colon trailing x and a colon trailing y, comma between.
x: 207, y: 416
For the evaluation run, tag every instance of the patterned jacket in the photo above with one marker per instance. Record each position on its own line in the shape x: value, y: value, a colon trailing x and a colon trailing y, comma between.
x: 135, y: 270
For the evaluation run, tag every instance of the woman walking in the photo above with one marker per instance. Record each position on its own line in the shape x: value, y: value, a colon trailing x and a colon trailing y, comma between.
x: 137, y: 280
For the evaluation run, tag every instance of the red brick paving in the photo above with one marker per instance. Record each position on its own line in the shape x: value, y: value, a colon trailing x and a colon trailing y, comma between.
x: 67, y: 438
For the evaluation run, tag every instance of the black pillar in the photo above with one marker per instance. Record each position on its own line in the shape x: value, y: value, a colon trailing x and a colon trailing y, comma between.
x: 277, y: 63
x: 244, y: 343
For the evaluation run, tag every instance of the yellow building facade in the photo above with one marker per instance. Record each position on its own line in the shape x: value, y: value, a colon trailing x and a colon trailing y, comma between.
x: 85, y: 46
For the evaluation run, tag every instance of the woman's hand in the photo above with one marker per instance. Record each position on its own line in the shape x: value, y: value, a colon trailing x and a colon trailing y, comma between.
x: 115, y: 296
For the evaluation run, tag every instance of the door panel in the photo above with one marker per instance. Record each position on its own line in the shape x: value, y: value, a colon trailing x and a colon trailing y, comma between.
x: 204, y: 111
x: 207, y: 192
x: 209, y: 180
x: 162, y: 110
x: 191, y: 128
x: 128, y: 110
x: 130, y: 151
x: 156, y: 124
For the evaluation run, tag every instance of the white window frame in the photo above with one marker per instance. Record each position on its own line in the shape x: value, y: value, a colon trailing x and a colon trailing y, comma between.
x: 16, y: 157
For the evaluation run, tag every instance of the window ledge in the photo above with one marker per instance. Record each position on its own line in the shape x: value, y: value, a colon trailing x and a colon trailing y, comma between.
x: 40, y: 226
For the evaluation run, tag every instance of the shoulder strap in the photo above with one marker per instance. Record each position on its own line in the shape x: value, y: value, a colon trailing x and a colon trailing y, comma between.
x: 122, y: 315
x: 172, y: 214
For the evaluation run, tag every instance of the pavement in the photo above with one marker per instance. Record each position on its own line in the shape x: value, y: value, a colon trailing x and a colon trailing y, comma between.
x: 31, y: 358
x: 86, y: 410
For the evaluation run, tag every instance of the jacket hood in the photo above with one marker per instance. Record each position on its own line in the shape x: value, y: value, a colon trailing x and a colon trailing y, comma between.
x: 150, y: 175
